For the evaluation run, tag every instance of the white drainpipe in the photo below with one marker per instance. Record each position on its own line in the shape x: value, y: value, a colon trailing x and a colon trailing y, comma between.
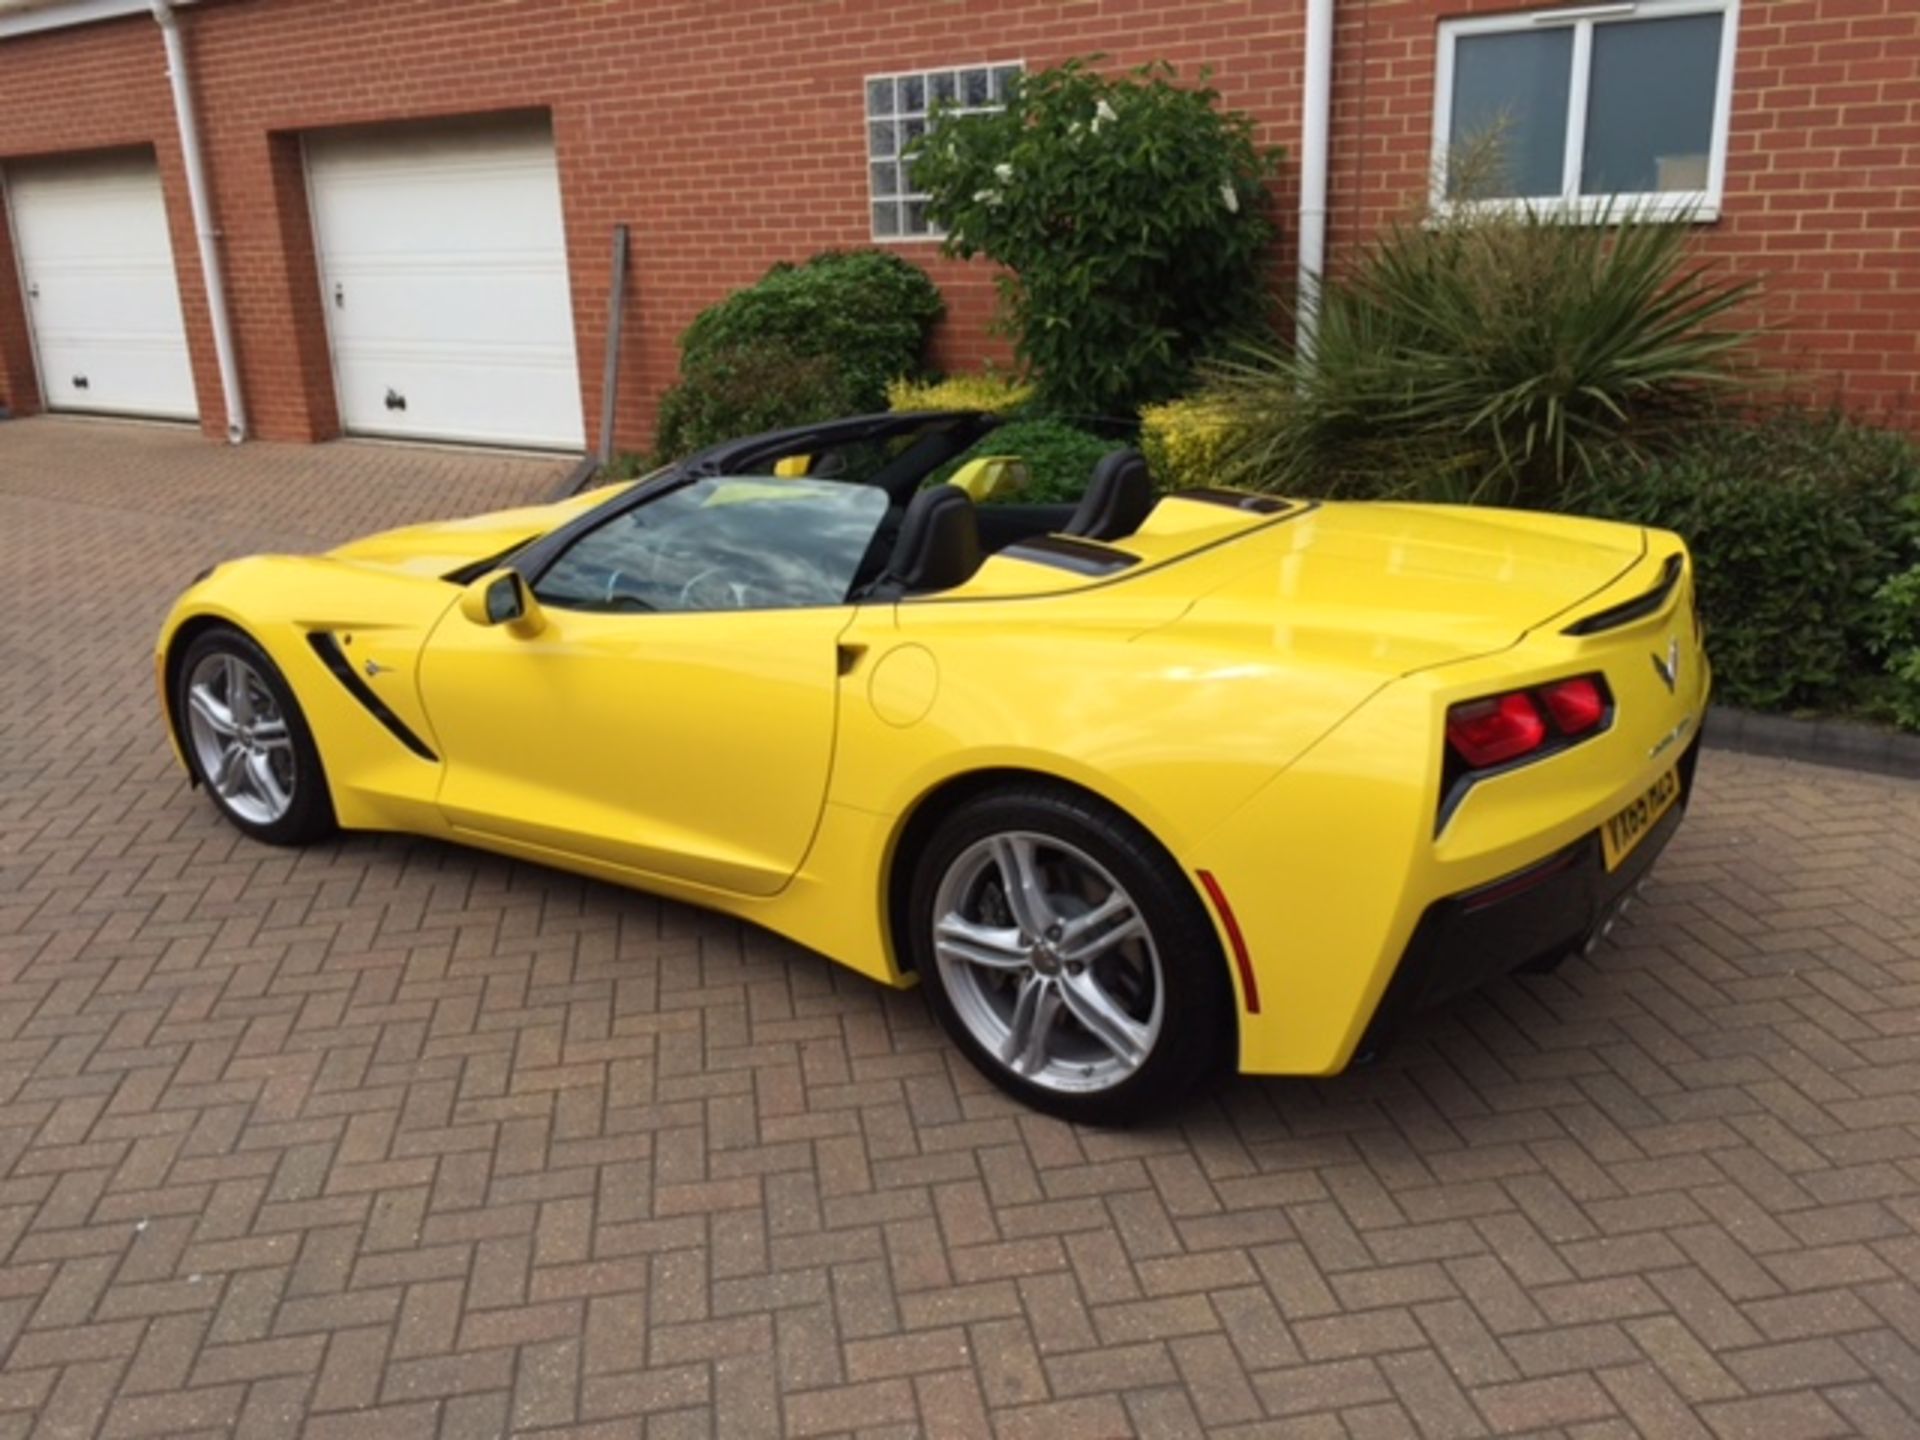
x: 203, y: 230
x: 1315, y: 125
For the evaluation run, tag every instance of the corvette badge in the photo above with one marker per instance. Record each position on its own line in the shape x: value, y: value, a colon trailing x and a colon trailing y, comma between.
x: 1668, y: 669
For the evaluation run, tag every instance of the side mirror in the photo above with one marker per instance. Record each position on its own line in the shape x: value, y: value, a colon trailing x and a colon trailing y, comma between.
x: 502, y: 598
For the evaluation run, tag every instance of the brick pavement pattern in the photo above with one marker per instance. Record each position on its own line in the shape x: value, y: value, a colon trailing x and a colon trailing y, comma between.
x: 394, y: 1139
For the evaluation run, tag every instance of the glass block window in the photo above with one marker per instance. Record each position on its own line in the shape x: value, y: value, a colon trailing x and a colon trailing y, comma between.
x: 1600, y: 106
x: 898, y: 110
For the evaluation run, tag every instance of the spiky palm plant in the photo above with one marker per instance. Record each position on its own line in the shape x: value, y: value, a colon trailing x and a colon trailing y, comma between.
x: 1489, y: 354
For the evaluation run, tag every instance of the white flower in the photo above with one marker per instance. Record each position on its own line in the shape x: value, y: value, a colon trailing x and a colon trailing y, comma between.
x: 988, y: 198
x: 1102, y: 114
x: 1229, y: 197
x: 1003, y: 172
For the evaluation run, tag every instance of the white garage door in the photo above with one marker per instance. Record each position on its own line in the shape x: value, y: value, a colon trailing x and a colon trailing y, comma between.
x: 443, y: 271
x: 96, y: 266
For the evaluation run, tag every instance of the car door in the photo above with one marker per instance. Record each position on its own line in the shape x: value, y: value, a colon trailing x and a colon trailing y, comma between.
x: 673, y: 712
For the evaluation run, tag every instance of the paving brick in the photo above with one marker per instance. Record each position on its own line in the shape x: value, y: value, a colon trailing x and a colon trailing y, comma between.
x: 391, y: 1138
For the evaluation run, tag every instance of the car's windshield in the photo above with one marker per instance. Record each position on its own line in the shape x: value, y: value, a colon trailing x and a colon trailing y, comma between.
x: 723, y: 543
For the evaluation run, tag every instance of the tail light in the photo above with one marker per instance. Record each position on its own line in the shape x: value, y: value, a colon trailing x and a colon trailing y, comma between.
x: 1491, y: 732
x: 1576, y: 705
x: 1500, y: 728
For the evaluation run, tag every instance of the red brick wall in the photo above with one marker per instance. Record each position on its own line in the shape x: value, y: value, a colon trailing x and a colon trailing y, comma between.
x: 730, y: 135
x: 727, y: 136
x: 1823, y: 173
x: 19, y: 391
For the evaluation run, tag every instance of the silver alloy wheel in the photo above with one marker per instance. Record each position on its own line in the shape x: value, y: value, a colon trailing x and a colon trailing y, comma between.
x: 1048, y: 961
x: 240, y: 738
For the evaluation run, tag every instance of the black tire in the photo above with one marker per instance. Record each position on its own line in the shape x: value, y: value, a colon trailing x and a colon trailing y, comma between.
x: 309, y: 816
x: 1193, y: 1039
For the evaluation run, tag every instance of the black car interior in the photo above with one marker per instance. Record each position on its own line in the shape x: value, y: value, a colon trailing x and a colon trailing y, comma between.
x: 933, y: 537
x: 943, y: 536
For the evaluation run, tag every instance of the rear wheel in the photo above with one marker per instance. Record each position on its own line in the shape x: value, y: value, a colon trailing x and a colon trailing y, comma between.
x: 248, y: 742
x: 1066, y: 955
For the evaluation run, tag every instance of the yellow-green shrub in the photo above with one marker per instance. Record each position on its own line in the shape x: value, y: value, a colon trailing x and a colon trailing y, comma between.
x: 995, y: 394
x: 1183, y: 441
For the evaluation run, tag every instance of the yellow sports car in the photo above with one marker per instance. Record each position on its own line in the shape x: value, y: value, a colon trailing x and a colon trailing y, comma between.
x: 1137, y: 788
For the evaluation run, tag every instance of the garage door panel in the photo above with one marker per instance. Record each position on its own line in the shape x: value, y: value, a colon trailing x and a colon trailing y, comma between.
x: 115, y: 374
x: 403, y: 392
x: 96, y: 262
x: 444, y: 276
x: 387, y: 207
x: 454, y: 306
x: 100, y: 303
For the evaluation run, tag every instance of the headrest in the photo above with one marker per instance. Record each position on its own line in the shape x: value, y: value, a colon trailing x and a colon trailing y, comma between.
x: 1119, y: 497
x: 939, y: 544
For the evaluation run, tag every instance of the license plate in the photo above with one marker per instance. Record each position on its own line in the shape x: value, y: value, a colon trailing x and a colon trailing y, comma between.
x: 1629, y: 826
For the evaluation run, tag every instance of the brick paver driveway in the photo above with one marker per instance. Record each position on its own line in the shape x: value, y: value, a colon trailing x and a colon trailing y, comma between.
x: 394, y: 1139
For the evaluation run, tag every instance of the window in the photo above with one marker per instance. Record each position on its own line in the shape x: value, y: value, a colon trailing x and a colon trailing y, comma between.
x: 721, y: 543
x: 898, y: 109
x: 1582, y: 109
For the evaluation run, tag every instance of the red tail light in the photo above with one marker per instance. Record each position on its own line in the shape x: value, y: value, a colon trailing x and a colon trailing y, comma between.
x: 1490, y: 732
x: 1507, y: 727
x: 1576, y: 705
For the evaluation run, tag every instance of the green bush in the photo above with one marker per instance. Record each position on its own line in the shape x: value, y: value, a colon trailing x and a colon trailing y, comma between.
x: 1488, y: 355
x: 1896, y: 635
x: 805, y: 342
x: 1129, y: 215
x: 1794, y: 522
x: 1896, y: 625
x: 1060, y: 458
x: 1183, y: 442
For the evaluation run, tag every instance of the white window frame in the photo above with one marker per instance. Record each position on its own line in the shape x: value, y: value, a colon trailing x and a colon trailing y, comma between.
x: 1697, y: 205
x: 906, y: 195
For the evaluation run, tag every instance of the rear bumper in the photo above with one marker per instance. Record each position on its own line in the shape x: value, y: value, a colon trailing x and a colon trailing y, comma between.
x: 1531, y: 918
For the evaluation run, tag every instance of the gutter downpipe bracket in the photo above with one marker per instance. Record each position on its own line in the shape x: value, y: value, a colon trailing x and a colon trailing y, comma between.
x: 203, y: 228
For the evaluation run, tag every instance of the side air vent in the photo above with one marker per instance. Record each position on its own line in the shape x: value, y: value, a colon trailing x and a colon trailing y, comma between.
x: 1064, y: 552
x: 1637, y: 608
x: 328, y: 649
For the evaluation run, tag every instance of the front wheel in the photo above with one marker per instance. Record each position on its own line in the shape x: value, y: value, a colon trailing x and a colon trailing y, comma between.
x: 248, y: 741
x: 1066, y: 955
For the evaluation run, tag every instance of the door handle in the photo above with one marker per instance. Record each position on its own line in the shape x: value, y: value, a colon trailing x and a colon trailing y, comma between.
x: 395, y: 400
x: 847, y: 656
x: 339, y: 296
x: 33, y: 289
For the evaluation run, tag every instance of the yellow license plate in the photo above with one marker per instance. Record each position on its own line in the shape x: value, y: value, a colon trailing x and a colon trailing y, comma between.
x: 1629, y: 826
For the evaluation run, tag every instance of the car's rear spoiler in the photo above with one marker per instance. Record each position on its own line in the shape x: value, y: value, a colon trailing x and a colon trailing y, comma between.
x: 1637, y: 608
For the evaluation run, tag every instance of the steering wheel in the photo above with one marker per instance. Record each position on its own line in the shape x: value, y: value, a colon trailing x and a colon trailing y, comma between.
x: 713, y: 589
x: 619, y: 597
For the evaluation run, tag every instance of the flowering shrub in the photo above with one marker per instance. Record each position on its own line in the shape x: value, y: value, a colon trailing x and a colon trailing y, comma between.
x: 1183, y: 441
x: 995, y: 394
x: 1129, y: 215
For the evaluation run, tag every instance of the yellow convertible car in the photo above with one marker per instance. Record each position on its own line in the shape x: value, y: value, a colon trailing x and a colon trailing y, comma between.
x: 1137, y: 788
